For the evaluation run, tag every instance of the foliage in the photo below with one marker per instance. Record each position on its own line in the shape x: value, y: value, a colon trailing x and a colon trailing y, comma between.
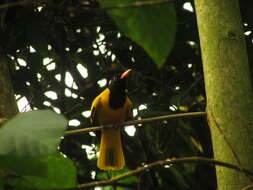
x: 28, y: 152
x: 32, y: 134
x: 79, y: 33
x: 157, y: 39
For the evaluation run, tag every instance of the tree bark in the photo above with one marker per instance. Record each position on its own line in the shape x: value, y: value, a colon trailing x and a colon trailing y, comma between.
x: 8, y: 106
x: 228, y: 88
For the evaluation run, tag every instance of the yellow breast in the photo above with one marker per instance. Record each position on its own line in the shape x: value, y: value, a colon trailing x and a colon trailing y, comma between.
x: 105, y: 114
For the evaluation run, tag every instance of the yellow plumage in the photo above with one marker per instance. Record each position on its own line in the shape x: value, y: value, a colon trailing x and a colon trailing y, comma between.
x: 111, y: 154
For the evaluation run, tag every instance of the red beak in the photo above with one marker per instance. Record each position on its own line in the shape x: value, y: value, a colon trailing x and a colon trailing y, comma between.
x: 125, y: 74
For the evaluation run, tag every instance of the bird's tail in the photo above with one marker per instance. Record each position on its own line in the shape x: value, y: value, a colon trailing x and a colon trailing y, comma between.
x: 111, y: 155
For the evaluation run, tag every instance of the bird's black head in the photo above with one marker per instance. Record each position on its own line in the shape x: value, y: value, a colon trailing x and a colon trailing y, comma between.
x: 117, y: 89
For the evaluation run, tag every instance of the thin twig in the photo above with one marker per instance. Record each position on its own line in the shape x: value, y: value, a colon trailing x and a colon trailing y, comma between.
x: 248, y: 187
x: 135, y: 122
x: 24, y: 2
x: 229, y: 144
x: 168, y: 161
x: 139, y: 4
x: 12, y: 4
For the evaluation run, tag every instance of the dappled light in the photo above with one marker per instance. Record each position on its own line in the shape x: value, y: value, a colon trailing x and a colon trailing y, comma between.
x: 130, y: 130
x: 102, y: 82
x: 61, y: 55
x: 74, y: 122
x: 188, y: 6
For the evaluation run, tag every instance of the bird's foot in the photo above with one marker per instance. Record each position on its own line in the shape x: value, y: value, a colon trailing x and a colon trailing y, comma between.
x: 116, y: 125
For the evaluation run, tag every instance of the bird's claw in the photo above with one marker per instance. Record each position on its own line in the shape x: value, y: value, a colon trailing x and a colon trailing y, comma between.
x: 115, y: 125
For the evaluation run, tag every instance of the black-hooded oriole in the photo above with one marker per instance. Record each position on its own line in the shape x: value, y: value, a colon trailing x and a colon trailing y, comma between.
x: 112, y: 106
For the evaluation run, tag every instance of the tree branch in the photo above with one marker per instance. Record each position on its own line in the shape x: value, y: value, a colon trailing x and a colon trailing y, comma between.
x: 248, y: 187
x: 168, y: 161
x: 139, y: 4
x: 135, y: 122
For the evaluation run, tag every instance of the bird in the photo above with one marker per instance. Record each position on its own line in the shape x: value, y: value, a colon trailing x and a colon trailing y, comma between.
x: 112, y: 106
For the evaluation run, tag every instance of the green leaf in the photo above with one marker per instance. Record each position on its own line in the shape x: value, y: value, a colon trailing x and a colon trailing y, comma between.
x: 152, y: 27
x: 61, y: 174
x: 32, y: 134
x: 23, y: 165
x: 15, y: 183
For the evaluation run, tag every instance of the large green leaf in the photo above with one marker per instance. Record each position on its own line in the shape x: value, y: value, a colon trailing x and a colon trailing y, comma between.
x: 23, y: 165
x: 152, y: 27
x: 61, y: 174
x: 32, y: 134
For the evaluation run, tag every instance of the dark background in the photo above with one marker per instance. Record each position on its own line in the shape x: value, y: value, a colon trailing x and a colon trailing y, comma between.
x: 177, y: 87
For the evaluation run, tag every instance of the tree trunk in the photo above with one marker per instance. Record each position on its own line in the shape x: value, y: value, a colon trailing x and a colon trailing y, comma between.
x: 228, y: 88
x: 8, y: 106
